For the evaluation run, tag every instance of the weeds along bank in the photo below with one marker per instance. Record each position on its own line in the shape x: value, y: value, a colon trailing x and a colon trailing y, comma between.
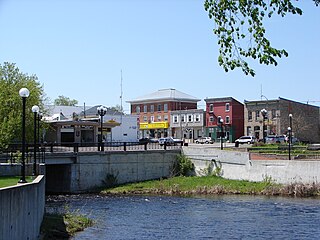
x: 238, y: 166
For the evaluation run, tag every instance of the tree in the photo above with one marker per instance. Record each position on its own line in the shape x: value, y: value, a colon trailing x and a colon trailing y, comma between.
x: 11, y: 81
x: 239, y: 22
x: 65, y: 101
x: 117, y: 109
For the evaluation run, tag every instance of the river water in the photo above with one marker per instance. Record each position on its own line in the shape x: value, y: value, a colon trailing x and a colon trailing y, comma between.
x: 217, y: 217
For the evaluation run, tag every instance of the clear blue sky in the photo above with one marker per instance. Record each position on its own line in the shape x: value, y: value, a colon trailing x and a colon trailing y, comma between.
x: 77, y: 48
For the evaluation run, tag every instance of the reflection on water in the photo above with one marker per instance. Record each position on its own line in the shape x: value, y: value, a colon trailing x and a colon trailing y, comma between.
x: 219, y: 217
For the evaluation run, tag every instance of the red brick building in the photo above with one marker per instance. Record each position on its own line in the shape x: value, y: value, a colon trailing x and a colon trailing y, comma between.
x: 232, y: 113
x: 154, y: 110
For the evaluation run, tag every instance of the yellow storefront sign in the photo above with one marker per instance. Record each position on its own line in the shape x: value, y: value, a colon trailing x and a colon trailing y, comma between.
x: 154, y: 125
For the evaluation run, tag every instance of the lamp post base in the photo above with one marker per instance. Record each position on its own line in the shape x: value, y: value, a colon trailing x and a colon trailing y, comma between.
x: 22, y: 181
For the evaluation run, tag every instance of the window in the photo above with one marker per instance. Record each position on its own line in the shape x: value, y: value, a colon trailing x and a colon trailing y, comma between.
x: 249, y: 116
x: 182, y: 118
x: 165, y: 118
x: 165, y: 107
x: 159, y: 108
x: 152, y: 119
x: 159, y: 118
x: 211, y: 108
x: 145, y: 108
x: 145, y: 118
x: 197, y: 118
x: 227, y: 119
x: 211, y: 119
x: 175, y: 118
x: 273, y: 112
x: 249, y: 131
x: 227, y: 107
x: 152, y: 108
x: 189, y: 118
x: 257, y: 115
x: 137, y: 109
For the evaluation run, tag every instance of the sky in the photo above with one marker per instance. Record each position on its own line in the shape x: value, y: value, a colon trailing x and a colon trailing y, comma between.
x: 96, y: 51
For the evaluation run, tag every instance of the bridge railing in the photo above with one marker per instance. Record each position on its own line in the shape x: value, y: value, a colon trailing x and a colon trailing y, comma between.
x: 12, y: 154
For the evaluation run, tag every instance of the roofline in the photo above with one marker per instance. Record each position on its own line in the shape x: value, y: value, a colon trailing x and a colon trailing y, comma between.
x: 222, y: 99
x: 165, y: 100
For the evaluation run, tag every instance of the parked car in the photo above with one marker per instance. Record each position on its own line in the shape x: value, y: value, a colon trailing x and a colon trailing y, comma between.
x: 246, y: 139
x: 148, y: 140
x: 272, y: 139
x: 169, y: 141
x: 203, y: 140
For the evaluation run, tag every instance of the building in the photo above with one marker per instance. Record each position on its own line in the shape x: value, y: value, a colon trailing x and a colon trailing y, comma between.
x: 154, y: 111
x: 187, y: 124
x: 304, y: 123
x: 68, y: 124
x: 230, y: 111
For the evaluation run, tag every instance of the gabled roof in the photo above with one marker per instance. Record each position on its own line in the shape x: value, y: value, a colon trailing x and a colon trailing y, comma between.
x: 168, y: 94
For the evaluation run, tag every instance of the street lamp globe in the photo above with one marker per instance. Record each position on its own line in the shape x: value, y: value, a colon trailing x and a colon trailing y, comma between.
x: 35, y: 109
x: 24, y: 92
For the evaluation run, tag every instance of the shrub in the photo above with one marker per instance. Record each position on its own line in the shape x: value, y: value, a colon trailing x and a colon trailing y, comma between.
x: 183, y: 166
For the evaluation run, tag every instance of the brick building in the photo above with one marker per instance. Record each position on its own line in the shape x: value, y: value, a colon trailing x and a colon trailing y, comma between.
x: 305, y: 119
x: 154, y: 111
x: 228, y: 109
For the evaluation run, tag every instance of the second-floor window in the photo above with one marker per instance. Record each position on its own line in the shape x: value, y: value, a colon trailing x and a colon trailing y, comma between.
x: 165, y: 118
x: 145, y: 118
x: 175, y: 119
x: 211, y: 119
x: 227, y: 119
x: 211, y: 108
x: 152, y: 119
x: 145, y: 108
x: 257, y: 115
x: 182, y: 118
x: 159, y: 118
x: 227, y: 107
x: 249, y: 116
x: 197, y: 118
x: 165, y: 107
x: 189, y: 118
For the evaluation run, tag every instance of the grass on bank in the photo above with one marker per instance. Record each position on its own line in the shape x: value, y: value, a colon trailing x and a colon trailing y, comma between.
x: 207, y: 185
x: 191, y: 185
x: 62, y: 226
x: 7, y: 181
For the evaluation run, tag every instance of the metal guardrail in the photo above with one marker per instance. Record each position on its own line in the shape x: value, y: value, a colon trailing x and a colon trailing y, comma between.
x: 12, y: 154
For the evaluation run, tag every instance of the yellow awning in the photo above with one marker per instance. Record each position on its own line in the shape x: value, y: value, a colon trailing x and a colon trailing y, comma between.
x: 154, y: 125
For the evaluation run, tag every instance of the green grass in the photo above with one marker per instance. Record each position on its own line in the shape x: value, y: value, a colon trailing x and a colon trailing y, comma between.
x: 63, y: 226
x: 192, y: 185
x: 8, y: 181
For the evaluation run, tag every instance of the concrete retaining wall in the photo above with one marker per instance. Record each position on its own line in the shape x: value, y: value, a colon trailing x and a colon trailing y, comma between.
x: 92, y: 170
x: 22, y: 210
x: 237, y: 165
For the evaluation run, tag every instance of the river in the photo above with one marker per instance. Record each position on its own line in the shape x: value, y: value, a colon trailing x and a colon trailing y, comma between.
x: 214, y: 217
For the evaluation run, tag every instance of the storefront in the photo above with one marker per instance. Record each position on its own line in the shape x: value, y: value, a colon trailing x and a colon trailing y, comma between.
x: 154, y: 129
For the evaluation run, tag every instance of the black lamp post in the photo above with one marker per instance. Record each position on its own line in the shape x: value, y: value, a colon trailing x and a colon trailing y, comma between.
x: 39, y: 120
x: 289, y: 131
x: 263, y: 113
x: 24, y: 93
x: 290, y: 124
x: 101, y: 112
x: 35, y: 110
x: 221, y: 133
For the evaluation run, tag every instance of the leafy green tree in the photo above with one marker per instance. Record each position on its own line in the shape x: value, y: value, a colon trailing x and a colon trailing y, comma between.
x: 239, y: 22
x: 116, y: 108
x: 65, y: 101
x: 11, y: 81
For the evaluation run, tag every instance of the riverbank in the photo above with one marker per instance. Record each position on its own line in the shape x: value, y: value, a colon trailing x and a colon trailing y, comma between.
x: 206, y: 185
